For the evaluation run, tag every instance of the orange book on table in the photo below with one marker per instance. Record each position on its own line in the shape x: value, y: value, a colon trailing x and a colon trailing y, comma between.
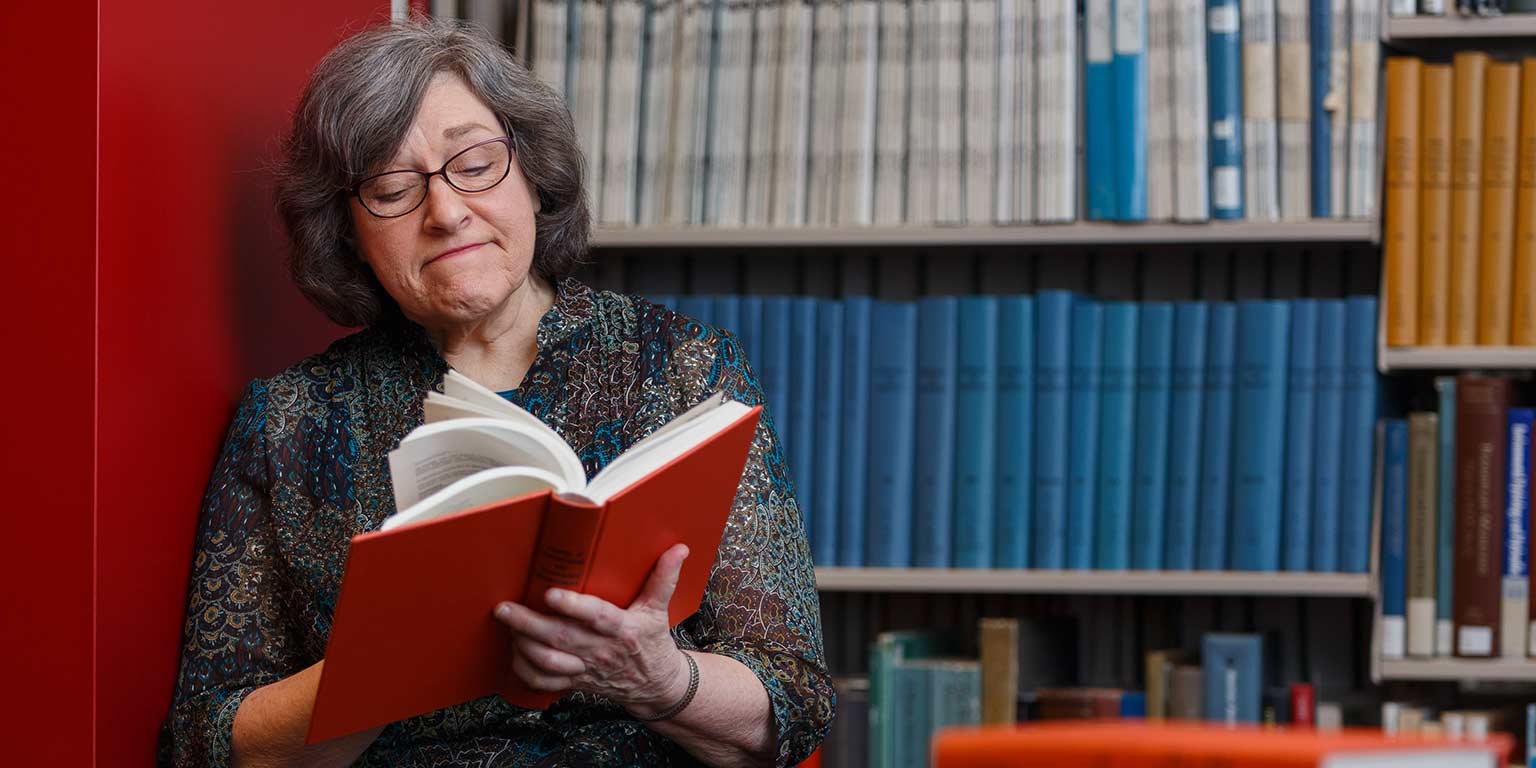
x: 413, y: 628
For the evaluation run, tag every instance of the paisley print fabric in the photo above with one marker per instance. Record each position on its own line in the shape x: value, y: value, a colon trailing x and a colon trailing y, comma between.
x: 304, y: 468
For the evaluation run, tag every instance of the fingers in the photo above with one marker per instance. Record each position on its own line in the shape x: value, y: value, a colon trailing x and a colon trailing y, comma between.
x: 597, y: 614
x: 546, y: 660
x: 553, y: 631
x: 536, y: 679
x: 658, y: 590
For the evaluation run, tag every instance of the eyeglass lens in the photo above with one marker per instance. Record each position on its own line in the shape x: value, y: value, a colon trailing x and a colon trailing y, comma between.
x: 474, y: 170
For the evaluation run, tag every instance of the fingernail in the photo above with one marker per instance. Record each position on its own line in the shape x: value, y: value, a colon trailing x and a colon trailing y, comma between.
x: 504, y: 611
x: 555, y: 595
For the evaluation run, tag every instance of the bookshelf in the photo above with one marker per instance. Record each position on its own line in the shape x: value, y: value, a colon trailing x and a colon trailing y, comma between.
x: 1451, y: 26
x: 1228, y: 583
x: 1440, y: 669
x: 1456, y: 358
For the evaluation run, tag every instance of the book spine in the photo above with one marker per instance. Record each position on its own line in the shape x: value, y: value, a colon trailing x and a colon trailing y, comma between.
x: 1154, y: 361
x: 999, y: 650
x: 854, y: 457
x: 1320, y: 37
x: 1445, y: 516
x: 1015, y: 433
x: 1026, y: 157
x: 563, y: 556
x: 1259, y: 459
x: 1056, y: 92
x: 1189, y: 346
x: 1099, y: 109
x: 1233, y: 666
x: 1501, y: 129
x: 826, y: 539
x: 892, y: 404
x: 1339, y: 98
x: 777, y: 342
x: 1482, y: 421
x: 1303, y: 706
x: 1522, y: 331
x: 1423, y: 522
x: 1402, y: 7
x: 1294, y: 81
x: 1514, y: 612
x: 1328, y: 431
x: 949, y: 141
x: 1224, y: 52
x: 981, y: 96
x: 1191, y: 115
x: 801, y: 441
x: 1364, y: 56
x: 1260, y: 130
x: 1301, y: 400
x: 932, y: 510
x: 1470, y: 72
x: 921, y: 124
x: 1117, y: 430
x: 1083, y: 439
x: 1009, y: 50
x: 976, y: 424
x: 1129, y: 125
x: 726, y: 315
x: 1434, y: 202
x: 1360, y: 393
x: 910, y: 716
x: 1216, y: 443
x: 762, y: 100
x: 1160, y: 109
x: 893, y: 93
x: 1394, y: 522
x: 752, y: 343
x: 1401, y: 237
x: 1052, y: 404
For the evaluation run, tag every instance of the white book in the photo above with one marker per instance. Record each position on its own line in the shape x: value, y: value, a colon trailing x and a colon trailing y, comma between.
x: 1404, y: 7
x: 1364, y: 62
x: 728, y: 140
x: 656, y: 144
x: 826, y: 113
x: 794, y: 108
x: 981, y: 115
x: 1191, y: 128
x: 891, y: 98
x: 687, y: 113
x: 949, y: 143
x: 1056, y: 91
x: 623, y: 122
x: 1007, y: 90
x: 549, y: 43
x: 1025, y: 142
x: 762, y: 132
x: 1295, y: 103
x: 860, y: 74
x: 1160, y: 133
x: 591, y: 92
x: 1338, y: 109
x: 922, y: 122
x: 1261, y: 140
x: 1432, y: 7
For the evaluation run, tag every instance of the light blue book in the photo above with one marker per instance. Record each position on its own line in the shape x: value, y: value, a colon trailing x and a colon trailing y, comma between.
x: 892, y: 434
x: 1211, y: 550
x: 1189, y: 342
x: 1327, y: 432
x: 1515, y: 610
x: 932, y: 509
x: 1233, y: 667
x: 700, y: 308
x: 1053, y: 343
x: 727, y: 315
x: 750, y: 309
x: 1445, y: 543
x: 1117, y: 437
x: 853, y: 490
x: 1394, y: 539
x: 1154, y: 368
x: 1301, y: 398
x: 1099, y: 109
x: 1258, y: 480
x: 1083, y: 438
x: 1360, y: 398
x: 827, y: 485
x: 662, y: 299
x: 802, y: 404
x: 1015, y: 431
x: 774, y: 359
x: 1130, y: 110
x: 976, y: 428
x: 912, y: 719
x: 1224, y: 70
x: 1320, y: 15
x: 1530, y: 735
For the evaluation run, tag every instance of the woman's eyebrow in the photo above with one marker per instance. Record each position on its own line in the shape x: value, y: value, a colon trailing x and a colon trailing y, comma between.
x: 463, y: 128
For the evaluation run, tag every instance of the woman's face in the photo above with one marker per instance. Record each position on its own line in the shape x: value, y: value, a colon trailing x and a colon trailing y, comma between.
x: 458, y: 258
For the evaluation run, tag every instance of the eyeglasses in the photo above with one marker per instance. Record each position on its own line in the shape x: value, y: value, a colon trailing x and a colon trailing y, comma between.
x: 477, y: 168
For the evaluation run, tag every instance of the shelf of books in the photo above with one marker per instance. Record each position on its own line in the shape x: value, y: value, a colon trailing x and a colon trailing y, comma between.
x: 1013, y: 581
x: 1512, y: 670
x: 1458, y: 358
x: 1081, y: 233
x: 1456, y: 26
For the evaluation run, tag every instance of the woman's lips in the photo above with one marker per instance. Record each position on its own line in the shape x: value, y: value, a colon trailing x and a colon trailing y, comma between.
x: 454, y: 252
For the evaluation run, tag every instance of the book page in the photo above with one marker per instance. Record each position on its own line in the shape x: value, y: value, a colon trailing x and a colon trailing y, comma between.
x: 658, y: 449
x: 481, y: 488
x: 436, y: 455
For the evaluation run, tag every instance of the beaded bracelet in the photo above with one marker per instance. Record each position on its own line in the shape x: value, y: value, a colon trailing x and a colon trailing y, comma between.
x: 693, y: 687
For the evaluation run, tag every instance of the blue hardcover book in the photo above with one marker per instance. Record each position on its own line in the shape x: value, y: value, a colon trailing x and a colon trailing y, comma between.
x: 750, y: 309
x: 662, y: 299
x: 892, y: 434
x: 1327, y: 429
x: 932, y: 509
x: 700, y: 308
x: 802, y: 405
x: 1514, y: 612
x: 1015, y: 431
x: 727, y: 315
x: 1053, y: 346
x: 1258, y: 474
x: 1189, y: 342
x: 1233, y: 667
x: 1360, y: 394
x: 1133, y: 705
x: 1321, y: 34
x: 1224, y: 68
x: 1154, y: 367
x: 1099, y: 109
x: 1394, y: 539
x: 1301, y: 397
x: 976, y: 430
x: 1117, y: 437
x: 1530, y: 735
x: 1445, y: 543
x: 855, y: 446
x: 828, y: 409
x: 1083, y: 440
x: 1216, y: 440
x: 1130, y: 110
x: 776, y: 341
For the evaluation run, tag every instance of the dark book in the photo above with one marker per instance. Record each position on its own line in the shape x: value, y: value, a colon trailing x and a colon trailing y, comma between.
x: 1482, y: 406
x: 847, y: 744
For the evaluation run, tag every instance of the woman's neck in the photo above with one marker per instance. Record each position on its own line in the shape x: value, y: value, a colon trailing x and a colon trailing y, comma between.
x: 498, y: 350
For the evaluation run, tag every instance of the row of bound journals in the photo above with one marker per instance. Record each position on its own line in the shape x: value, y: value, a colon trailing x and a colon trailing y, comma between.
x: 1460, y: 229
x: 1060, y: 431
x: 1455, y: 510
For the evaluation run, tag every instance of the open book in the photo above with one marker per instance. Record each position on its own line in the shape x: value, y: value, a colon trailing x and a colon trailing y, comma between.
x: 495, y: 506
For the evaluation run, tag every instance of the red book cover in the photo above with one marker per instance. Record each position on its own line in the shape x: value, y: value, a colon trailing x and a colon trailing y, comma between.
x: 1303, y: 706
x: 413, y: 630
x: 1482, y: 423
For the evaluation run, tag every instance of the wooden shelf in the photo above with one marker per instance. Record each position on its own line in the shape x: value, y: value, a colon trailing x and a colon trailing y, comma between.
x: 1457, y: 358
x: 1458, y: 669
x: 1082, y: 233
x: 1093, y: 582
x: 1453, y: 26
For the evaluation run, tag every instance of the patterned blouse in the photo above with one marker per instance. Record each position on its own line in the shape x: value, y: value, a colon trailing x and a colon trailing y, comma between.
x: 304, y: 468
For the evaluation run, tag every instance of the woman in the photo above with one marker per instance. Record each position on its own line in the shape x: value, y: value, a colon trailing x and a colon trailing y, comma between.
x: 432, y: 193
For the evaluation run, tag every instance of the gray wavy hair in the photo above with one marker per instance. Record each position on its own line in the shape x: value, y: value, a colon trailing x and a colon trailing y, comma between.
x: 352, y: 119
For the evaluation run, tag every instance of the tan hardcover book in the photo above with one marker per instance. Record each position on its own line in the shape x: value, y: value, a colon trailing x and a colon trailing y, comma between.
x: 999, y: 671
x: 1522, y: 330
x: 1401, y: 237
x: 1423, y: 498
x: 1470, y: 71
x: 1186, y: 693
x: 1434, y: 202
x: 1160, y: 666
x: 1501, y: 130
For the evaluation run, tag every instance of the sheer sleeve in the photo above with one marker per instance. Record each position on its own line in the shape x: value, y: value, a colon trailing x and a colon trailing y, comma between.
x: 234, y: 639
x: 761, y: 606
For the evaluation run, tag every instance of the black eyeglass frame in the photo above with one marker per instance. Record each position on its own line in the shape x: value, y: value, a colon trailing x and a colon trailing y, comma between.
x: 426, y: 177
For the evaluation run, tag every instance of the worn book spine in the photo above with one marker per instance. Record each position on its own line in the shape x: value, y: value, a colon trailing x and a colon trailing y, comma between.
x: 1052, y: 403
x: 934, y: 492
x: 1394, y: 521
x: 1501, y: 128
x: 1522, y: 332
x: 1514, y: 611
x: 1481, y: 448
x: 1401, y: 235
x: 1470, y: 72
x: 1423, y: 498
x: 1434, y: 203
x: 999, y: 671
x: 976, y: 425
x: 1084, y: 380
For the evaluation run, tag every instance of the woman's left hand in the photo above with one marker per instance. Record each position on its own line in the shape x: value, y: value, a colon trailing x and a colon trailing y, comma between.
x: 589, y: 644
